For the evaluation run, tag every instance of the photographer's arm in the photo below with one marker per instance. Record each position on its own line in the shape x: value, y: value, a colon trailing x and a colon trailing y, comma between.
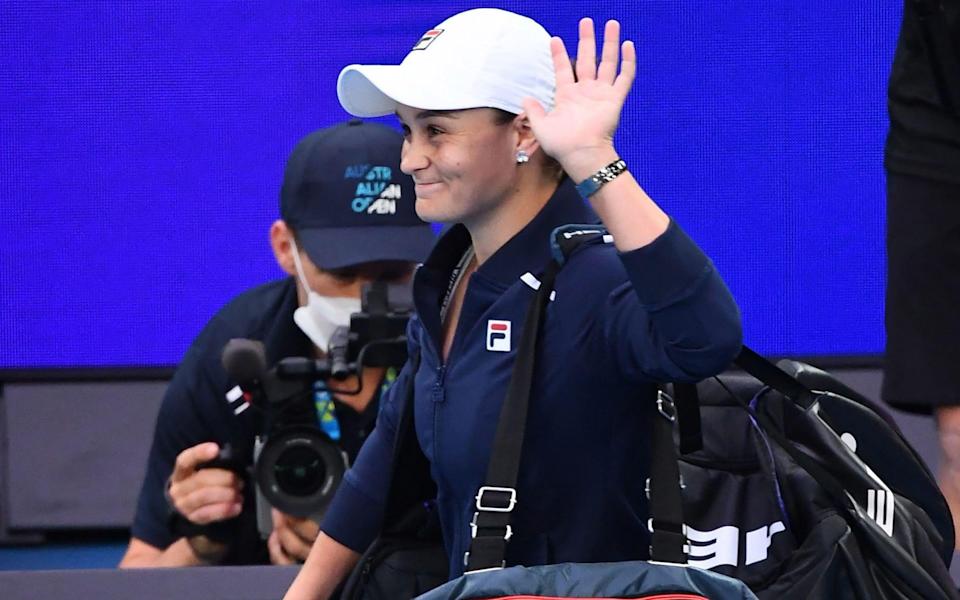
x: 140, y: 554
x: 202, y: 496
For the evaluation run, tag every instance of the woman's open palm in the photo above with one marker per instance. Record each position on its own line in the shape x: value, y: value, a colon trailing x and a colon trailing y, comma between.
x: 587, y: 104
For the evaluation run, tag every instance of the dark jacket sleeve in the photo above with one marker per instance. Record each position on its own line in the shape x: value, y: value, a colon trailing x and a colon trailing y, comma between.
x: 355, y: 515
x: 179, y: 426
x: 676, y: 320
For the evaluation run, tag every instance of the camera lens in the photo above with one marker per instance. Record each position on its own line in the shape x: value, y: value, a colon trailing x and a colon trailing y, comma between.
x: 299, y: 471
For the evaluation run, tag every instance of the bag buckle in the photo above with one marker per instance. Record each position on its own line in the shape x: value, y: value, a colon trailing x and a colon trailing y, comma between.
x: 466, y: 562
x: 485, y: 504
x: 651, y: 525
x: 665, y: 406
x: 511, y: 501
x: 507, y: 534
x: 646, y: 485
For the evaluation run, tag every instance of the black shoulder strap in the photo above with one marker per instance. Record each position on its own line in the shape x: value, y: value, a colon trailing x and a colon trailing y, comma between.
x: 667, y: 538
x: 496, y: 500
x: 774, y: 376
x: 687, y: 402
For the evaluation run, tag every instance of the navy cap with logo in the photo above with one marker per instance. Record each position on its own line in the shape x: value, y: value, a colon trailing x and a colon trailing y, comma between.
x: 344, y: 195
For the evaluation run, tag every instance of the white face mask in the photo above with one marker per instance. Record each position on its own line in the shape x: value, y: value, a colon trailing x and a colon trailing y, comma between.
x: 323, y: 314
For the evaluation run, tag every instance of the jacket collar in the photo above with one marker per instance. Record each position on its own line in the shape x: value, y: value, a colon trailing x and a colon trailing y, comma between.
x: 527, y: 251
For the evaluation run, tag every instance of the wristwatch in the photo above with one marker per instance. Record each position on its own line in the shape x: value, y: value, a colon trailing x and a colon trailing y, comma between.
x: 591, y: 184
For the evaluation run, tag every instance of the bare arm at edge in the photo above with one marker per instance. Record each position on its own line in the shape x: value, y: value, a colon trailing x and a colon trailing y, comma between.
x: 327, y: 565
x: 140, y: 554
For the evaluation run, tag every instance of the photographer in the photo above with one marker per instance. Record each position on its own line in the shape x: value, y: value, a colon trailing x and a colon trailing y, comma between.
x: 347, y: 219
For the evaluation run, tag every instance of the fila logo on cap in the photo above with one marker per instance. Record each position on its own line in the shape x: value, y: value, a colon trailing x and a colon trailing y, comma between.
x: 498, y: 336
x: 427, y: 39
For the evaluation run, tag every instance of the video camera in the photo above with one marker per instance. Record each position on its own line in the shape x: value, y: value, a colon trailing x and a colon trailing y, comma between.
x: 297, y: 467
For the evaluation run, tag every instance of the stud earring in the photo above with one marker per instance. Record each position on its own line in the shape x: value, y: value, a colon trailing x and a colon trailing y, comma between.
x: 522, y: 157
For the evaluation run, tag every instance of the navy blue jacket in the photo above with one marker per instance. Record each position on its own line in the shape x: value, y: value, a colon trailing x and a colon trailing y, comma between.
x: 618, y: 323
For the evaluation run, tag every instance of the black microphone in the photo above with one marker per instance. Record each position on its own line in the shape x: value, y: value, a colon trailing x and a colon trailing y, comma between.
x: 339, y: 343
x: 245, y: 361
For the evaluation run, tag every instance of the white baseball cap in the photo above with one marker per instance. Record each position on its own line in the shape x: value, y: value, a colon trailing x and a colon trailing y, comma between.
x: 483, y: 57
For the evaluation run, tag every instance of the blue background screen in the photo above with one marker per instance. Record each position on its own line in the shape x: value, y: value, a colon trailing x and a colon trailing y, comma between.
x: 144, y: 143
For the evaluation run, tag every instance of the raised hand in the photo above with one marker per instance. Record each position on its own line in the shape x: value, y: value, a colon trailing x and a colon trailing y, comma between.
x: 579, y: 130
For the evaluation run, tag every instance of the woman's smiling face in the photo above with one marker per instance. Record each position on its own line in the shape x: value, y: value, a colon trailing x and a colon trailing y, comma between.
x: 462, y: 162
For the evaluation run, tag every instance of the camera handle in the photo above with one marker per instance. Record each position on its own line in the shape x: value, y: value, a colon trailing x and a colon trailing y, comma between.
x: 219, y: 531
x: 226, y: 459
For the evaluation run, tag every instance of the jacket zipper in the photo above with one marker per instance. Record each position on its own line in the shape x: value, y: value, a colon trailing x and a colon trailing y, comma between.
x: 438, y: 397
